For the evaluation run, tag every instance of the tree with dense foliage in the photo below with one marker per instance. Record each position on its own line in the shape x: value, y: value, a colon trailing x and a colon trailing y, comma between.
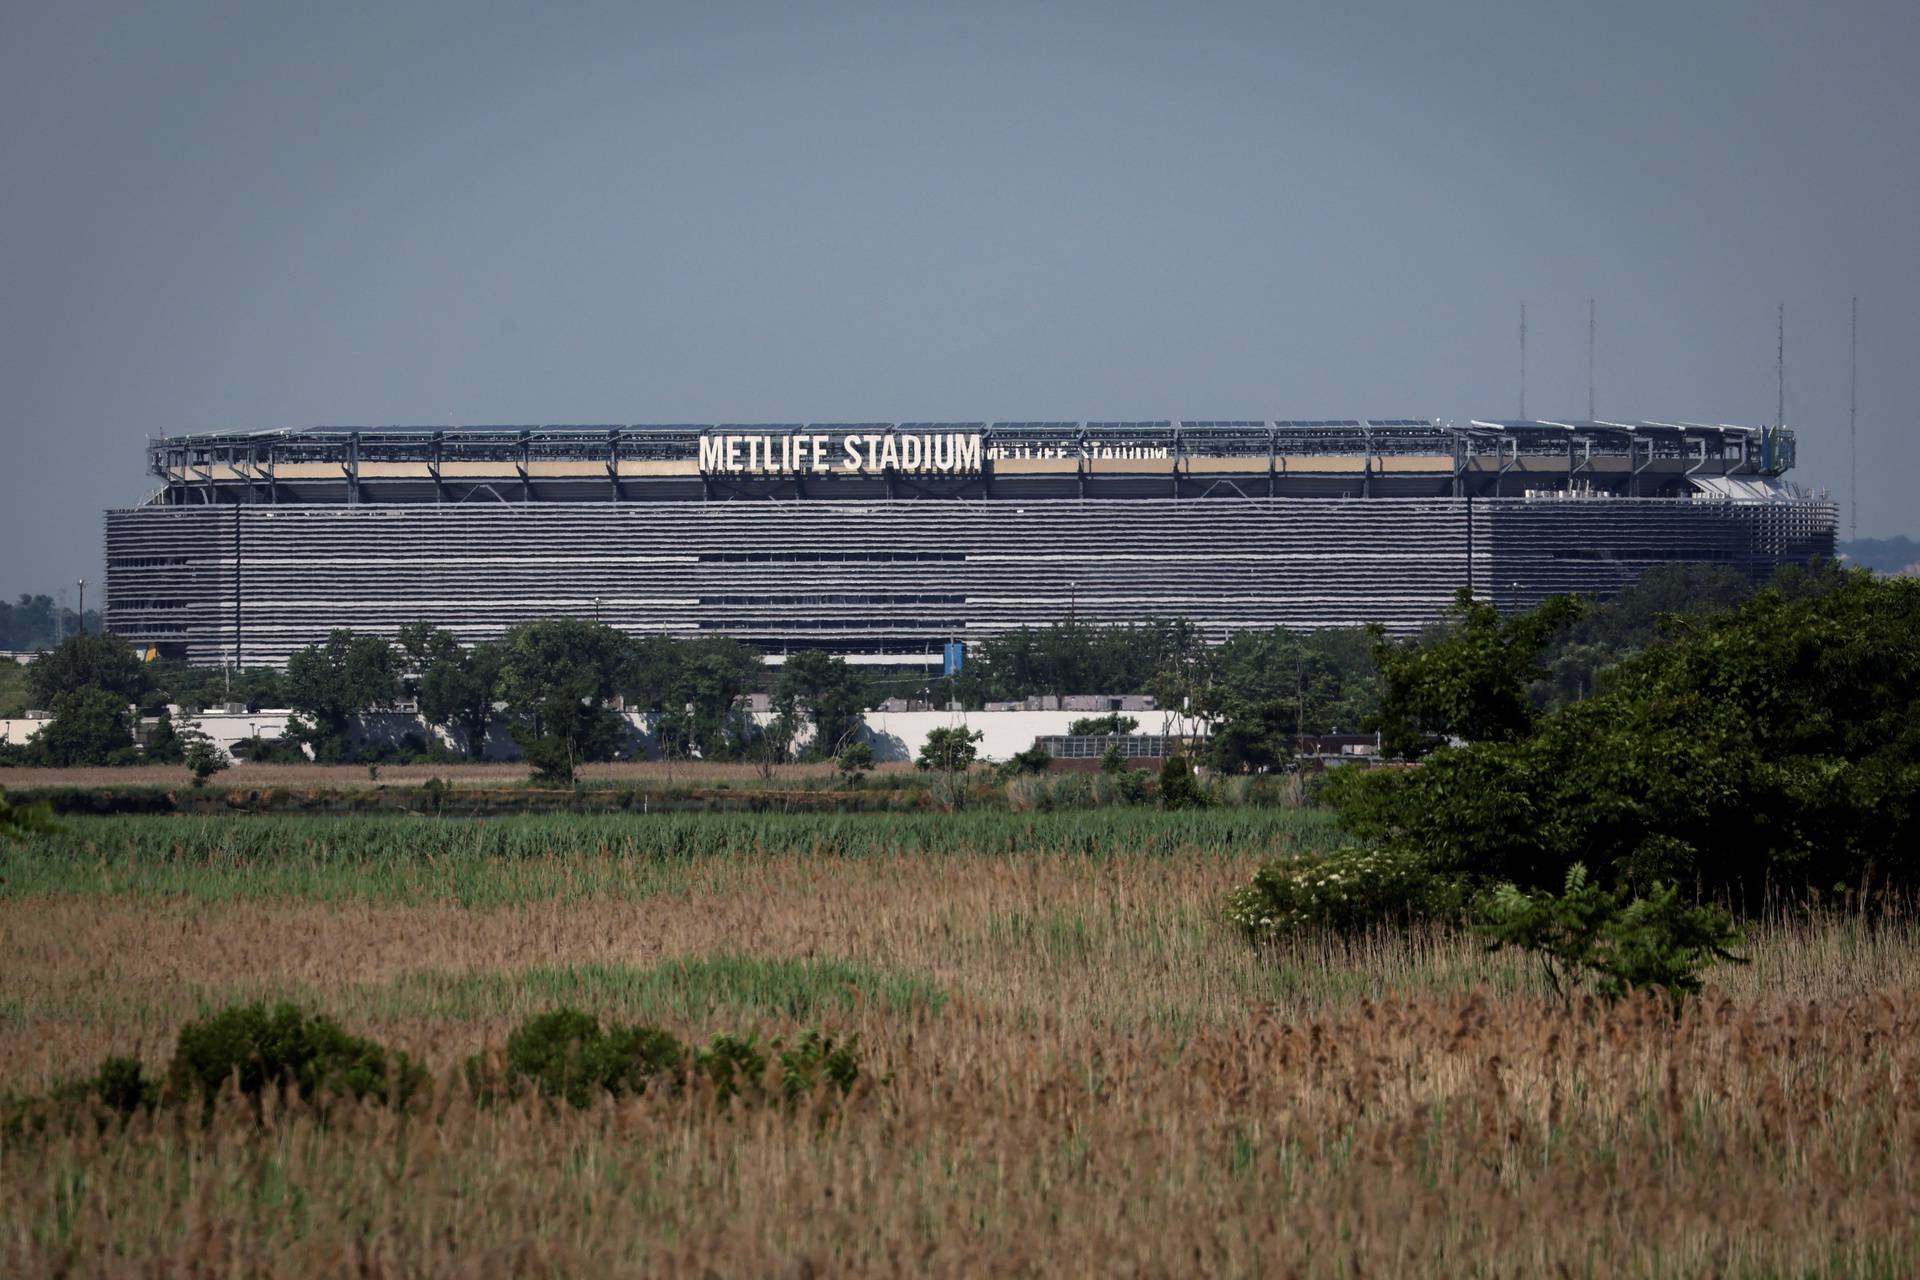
x: 89, y: 727
x: 1107, y: 726
x: 692, y: 688
x: 329, y: 684
x: 92, y: 660
x: 33, y: 621
x: 1269, y: 687
x: 164, y: 742
x: 1072, y: 658
x: 558, y: 677
x: 201, y: 755
x: 827, y: 692
x: 454, y: 685
x: 1639, y: 616
x: 1773, y: 748
x: 949, y: 749
x: 1471, y: 681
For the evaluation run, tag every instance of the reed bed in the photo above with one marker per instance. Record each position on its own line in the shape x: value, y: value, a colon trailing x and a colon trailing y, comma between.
x: 1071, y: 1067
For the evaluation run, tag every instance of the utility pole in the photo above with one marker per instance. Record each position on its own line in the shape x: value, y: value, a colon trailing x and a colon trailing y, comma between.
x: 1590, y: 329
x: 1523, y: 362
x: 82, y: 615
x: 1853, y: 410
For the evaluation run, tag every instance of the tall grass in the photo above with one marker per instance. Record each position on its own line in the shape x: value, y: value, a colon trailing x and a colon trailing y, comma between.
x: 397, y: 858
x: 1073, y: 1065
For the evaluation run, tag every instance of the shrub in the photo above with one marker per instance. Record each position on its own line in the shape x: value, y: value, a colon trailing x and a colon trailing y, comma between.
x: 1586, y: 932
x: 853, y: 762
x: 260, y: 1047
x: 121, y: 1085
x: 733, y: 1063
x: 818, y: 1058
x: 1347, y: 891
x: 1034, y: 759
x: 566, y: 1054
x: 1178, y: 787
x: 1777, y: 747
x: 201, y: 755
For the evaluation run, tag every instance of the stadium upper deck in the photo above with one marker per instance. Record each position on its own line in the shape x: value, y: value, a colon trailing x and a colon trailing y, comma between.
x: 1397, y: 457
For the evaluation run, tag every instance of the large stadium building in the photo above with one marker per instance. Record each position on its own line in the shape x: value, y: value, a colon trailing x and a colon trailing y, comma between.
x: 887, y: 541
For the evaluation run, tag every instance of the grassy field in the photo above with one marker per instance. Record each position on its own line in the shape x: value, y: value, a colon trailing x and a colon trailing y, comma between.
x: 1071, y: 1065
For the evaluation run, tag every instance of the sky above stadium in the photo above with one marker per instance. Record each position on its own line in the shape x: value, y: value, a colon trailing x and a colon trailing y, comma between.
x: 246, y: 216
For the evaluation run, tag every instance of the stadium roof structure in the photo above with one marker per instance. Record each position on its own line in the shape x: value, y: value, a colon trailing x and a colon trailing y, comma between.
x: 1330, y: 457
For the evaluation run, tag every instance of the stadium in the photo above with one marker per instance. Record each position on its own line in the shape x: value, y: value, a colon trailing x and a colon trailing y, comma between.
x: 886, y: 542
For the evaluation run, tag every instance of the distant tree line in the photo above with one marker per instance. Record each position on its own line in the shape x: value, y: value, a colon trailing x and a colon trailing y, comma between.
x: 35, y: 622
x: 555, y: 686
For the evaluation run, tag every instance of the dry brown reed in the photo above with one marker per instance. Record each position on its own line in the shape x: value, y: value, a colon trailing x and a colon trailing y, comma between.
x: 1114, y: 1085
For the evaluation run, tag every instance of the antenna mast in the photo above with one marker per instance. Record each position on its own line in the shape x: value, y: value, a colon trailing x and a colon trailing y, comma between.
x: 1780, y: 368
x: 1523, y: 362
x: 1590, y: 413
x: 1853, y: 409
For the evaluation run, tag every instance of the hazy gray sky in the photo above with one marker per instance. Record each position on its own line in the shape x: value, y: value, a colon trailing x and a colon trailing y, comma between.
x: 247, y: 216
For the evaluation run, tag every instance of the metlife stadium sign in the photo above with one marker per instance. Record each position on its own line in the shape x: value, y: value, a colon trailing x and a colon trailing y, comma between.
x: 947, y: 453
x: 929, y: 453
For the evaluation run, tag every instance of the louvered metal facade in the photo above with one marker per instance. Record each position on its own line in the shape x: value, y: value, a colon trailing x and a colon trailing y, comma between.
x: 251, y: 582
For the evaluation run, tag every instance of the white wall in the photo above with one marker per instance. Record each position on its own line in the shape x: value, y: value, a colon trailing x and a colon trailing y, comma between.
x: 899, y: 735
x: 16, y: 732
x: 894, y: 735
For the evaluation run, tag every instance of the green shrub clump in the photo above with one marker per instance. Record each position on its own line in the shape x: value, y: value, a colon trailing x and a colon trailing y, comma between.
x: 259, y: 1047
x: 1587, y: 933
x: 1347, y: 891
x: 568, y: 1055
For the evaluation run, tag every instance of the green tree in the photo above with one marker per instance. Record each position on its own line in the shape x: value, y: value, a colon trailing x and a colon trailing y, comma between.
x: 91, y: 660
x: 853, y: 762
x: 330, y: 684
x: 1771, y: 749
x: 202, y: 756
x: 89, y: 727
x: 692, y: 688
x: 950, y: 752
x: 1179, y: 789
x: 1115, y: 725
x: 828, y: 692
x: 164, y: 744
x: 454, y: 685
x: 1471, y: 681
x: 557, y: 677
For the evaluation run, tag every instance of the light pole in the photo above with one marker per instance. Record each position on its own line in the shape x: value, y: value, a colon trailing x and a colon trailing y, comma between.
x: 83, y: 605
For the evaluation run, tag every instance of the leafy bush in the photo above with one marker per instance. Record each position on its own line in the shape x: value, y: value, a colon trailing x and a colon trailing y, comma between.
x: 1035, y: 759
x: 1346, y: 891
x: 566, y: 1054
x: 1178, y: 787
x: 1103, y: 726
x: 733, y: 1063
x: 121, y: 1085
x: 201, y: 755
x: 817, y: 1059
x: 261, y: 1047
x: 1778, y: 745
x: 1586, y: 932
